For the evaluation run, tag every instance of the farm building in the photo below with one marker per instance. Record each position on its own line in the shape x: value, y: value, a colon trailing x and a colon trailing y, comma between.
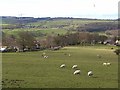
x: 3, y: 48
x: 109, y: 42
x: 117, y: 42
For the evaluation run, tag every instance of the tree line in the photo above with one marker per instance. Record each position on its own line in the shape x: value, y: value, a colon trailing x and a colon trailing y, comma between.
x: 26, y: 41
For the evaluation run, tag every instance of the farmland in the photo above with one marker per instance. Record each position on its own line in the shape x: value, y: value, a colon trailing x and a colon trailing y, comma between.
x: 28, y: 38
x: 31, y: 70
x: 41, y: 29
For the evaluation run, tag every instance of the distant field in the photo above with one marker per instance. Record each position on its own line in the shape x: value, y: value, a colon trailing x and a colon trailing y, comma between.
x: 36, y: 31
x: 31, y: 70
x: 60, y: 26
x: 3, y: 24
x: 66, y: 22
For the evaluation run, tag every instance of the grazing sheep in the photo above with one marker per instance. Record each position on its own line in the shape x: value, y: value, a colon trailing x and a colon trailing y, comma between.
x: 45, y: 56
x: 104, y: 64
x: 69, y: 55
x: 108, y: 64
x: 90, y: 73
x: 74, y: 66
x: 62, y: 66
x: 77, y: 72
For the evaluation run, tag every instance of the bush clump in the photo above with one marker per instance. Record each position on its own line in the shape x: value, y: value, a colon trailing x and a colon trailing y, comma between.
x: 117, y: 51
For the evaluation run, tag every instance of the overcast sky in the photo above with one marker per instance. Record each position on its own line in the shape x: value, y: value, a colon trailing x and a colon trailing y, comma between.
x: 107, y: 9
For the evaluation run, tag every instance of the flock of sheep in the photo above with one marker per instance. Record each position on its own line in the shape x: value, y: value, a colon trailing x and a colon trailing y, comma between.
x: 78, y: 71
x: 90, y: 73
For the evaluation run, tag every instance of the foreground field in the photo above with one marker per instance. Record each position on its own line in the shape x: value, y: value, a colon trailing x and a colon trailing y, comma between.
x: 31, y: 70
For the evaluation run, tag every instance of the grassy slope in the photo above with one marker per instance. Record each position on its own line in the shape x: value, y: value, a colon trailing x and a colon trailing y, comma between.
x: 36, y: 31
x: 61, y: 31
x: 69, y: 24
x: 63, y: 22
x: 39, y: 72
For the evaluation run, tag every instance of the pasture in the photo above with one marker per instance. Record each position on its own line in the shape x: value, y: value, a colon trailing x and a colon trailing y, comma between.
x: 37, y: 33
x: 31, y: 70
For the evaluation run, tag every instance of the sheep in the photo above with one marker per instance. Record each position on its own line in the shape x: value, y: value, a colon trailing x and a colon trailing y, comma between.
x: 69, y: 55
x: 104, y: 64
x: 74, y: 66
x: 90, y: 73
x: 77, y: 72
x: 108, y: 64
x: 45, y: 56
x: 62, y: 66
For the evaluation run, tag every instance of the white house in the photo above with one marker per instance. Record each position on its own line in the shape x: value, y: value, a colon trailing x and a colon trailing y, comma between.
x: 117, y: 42
x: 3, y: 48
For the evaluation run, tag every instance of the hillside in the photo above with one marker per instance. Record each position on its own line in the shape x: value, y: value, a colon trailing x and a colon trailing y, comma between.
x: 66, y: 23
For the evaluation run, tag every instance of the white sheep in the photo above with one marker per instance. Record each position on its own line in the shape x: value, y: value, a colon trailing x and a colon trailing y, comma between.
x: 108, y: 64
x: 62, y: 66
x: 104, y: 64
x: 77, y: 72
x: 90, y: 73
x: 45, y: 56
x: 74, y: 66
x: 69, y: 55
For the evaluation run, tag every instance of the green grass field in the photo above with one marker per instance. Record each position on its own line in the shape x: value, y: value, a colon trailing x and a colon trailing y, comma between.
x: 31, y: 70
x: 65, y: 22
x: 36, y: 31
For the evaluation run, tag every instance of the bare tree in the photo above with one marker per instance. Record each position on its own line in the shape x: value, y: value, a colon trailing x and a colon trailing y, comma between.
x: 25, y: 40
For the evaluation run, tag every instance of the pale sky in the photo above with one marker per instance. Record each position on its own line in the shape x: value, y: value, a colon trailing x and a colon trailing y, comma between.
x: 107, y: 9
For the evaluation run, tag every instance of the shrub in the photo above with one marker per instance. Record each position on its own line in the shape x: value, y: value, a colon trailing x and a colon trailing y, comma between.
x: 117, y: 51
